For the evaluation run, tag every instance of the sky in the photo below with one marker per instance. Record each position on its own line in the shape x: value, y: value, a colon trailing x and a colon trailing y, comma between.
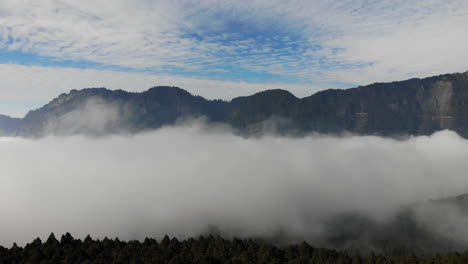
x: 222, y: 49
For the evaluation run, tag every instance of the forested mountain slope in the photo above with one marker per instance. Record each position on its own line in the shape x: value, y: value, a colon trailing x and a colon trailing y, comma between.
x: 411, y: 107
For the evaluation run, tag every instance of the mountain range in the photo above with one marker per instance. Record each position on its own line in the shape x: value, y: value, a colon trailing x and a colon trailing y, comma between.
x: 410, y: 107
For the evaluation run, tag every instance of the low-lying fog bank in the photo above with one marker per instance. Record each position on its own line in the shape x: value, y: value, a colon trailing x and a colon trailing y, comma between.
x: 187, y: 180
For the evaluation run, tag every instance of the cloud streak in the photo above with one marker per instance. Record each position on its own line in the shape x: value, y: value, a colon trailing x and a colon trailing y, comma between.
x: 299, y: 41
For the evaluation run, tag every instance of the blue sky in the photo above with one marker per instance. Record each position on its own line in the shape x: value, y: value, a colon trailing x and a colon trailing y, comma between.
x: 221, y: 48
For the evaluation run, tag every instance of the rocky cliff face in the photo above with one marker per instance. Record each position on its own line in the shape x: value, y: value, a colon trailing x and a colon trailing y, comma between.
x: 411, y: 107
x: 415, y: 106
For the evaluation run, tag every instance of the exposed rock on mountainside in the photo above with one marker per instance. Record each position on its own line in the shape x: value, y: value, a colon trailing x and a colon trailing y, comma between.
x: 411, y: 107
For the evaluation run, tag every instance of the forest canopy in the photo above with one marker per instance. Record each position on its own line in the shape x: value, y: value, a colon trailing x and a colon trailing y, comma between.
x: 203, y: 250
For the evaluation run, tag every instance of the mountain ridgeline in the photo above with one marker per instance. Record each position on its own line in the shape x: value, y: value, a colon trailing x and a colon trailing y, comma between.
x: 411, y: 107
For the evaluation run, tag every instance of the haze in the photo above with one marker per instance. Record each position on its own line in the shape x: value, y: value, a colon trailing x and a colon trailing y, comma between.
x: 191, y: 179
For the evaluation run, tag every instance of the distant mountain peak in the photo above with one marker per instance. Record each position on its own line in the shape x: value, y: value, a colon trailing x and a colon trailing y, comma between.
x: 411, y: 107
x: 9, y: 125
x: 267, y: 97
x: 169, y: 89
x: 275, y: 92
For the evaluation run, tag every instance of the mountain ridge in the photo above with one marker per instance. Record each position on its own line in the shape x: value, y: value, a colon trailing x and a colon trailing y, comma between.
x: 410, y: 107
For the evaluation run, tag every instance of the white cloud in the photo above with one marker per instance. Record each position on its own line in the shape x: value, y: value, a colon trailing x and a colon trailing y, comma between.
x: 431, y: 45
x: 321, y: 42
x: 181, y: 180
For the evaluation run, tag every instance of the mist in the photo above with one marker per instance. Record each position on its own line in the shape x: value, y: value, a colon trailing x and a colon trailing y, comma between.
x: 193, y: 179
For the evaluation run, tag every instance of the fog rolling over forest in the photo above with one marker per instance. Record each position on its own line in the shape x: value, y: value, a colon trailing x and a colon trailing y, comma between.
x: 194, y: 178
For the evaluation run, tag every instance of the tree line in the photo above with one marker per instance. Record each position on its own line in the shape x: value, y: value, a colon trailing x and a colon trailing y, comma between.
x: 202, y: 250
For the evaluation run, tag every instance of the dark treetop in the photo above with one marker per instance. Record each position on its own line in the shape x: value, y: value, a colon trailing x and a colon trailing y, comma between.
x: 203, y: 250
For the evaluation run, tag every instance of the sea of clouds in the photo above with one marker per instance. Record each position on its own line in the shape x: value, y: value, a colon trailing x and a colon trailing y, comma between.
x: 194, y: 178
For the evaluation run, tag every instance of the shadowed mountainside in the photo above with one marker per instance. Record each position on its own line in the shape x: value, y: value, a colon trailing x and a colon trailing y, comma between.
x: 411, y: 107
x: 8, y: 125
